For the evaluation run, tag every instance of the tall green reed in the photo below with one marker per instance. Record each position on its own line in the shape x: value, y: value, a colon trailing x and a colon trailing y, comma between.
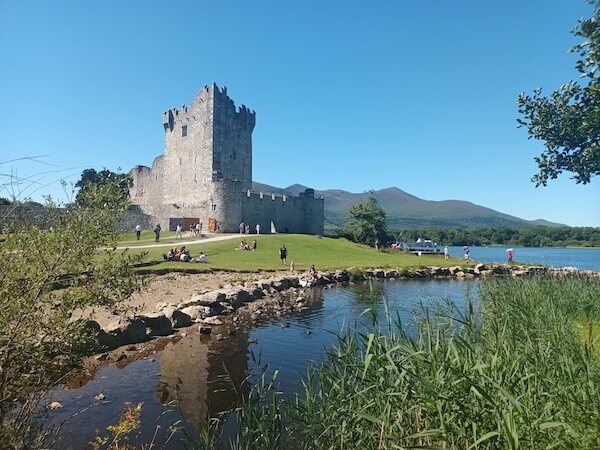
x: 510, y: 373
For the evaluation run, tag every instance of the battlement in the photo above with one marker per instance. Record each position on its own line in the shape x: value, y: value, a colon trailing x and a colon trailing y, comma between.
x: 210, y: 94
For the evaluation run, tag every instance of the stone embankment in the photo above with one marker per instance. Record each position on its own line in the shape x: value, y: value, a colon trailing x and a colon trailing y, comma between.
x: 204, y: 310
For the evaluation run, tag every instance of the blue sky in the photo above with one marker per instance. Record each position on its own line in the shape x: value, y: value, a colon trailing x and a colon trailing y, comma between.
x: 349, y: 95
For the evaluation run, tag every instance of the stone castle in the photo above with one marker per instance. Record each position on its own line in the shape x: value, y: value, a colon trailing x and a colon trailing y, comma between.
x: 205, y: 174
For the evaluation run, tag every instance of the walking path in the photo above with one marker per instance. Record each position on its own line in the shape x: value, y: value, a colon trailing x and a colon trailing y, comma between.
x: 220, y: 237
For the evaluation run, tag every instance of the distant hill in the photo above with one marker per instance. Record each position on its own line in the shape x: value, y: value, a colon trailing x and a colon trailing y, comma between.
x: 404, y: 210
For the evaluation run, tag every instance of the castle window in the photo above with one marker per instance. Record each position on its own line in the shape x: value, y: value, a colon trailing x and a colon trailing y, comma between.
x: 184, y: 131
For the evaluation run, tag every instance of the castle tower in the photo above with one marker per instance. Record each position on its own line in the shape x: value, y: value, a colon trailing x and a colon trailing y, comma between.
x: 205, y: 174
x: 208, y: 141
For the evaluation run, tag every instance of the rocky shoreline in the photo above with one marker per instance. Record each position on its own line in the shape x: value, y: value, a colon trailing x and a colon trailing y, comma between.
x: 204, y: 310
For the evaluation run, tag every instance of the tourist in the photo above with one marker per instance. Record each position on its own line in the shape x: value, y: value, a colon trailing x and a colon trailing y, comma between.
x: 242, y: 227
x: 157, y: 232
x: 191, y: 229
x: 247, y: 229
x: 199, y: 229
x: 138, y: 232
x: 510, y: 254
x: 184, y: 255
x: 178, y: 232
x: 467, y: 251
x: 254, y: 245
x: 170, y: 256
x: 202, y: 258
x: 283, y: 254
x: 313, y: 272
x: 257, y: 228
x: 446, y: 254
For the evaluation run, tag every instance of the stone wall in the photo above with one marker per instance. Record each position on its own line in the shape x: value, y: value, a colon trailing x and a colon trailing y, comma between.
x: 289, y: 214
x: 39, y: 217
x: 10, y: 215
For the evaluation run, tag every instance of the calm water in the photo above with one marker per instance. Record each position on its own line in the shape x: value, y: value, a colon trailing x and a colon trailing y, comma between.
x: 184, y: 381
x: 581, y: 258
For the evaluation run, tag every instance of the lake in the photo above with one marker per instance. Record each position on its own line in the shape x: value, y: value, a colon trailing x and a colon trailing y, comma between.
x: 185, y: 380
x: 581, y: 258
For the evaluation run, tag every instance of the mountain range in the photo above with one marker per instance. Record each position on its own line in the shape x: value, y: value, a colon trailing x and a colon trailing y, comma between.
x: 406, y: 211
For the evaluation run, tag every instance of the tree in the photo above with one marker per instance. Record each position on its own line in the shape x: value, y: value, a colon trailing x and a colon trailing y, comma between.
x: 568, y: 121
x: 46, y: 276
x: 103, y: 187
x: 367, y: 223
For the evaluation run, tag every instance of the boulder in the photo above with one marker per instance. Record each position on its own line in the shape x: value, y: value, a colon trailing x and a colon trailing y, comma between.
x: 196, y: 312
x: 282, y: 284
x: 454, y: 270
x: 341, y: 275
x: 391, y: 274
x: 131, y: 331
x: 212, y: 321
x: 179, y: 319
x: 158, y: 323
x: 134, y: 331
x: 206, y: 299
x: 204, y: 329
x: 111, y: 339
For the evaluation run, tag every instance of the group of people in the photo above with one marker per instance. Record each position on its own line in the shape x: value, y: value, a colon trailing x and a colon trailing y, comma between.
x: 176, y: 254
x: 245, y: 228
x: 196, y: 229
x: 244, y: 245
x: 183, y: 255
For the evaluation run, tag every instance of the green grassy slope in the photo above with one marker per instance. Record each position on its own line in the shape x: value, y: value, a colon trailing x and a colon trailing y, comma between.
x: 324, y: 253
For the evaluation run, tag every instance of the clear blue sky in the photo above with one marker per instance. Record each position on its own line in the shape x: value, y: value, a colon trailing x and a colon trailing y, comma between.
x: 349, y: 95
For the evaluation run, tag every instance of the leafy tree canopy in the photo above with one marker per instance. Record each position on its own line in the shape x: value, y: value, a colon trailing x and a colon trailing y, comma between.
x: 51, y: 276
x: 568, y: 121
x: 103, y: 188
x: 367, y: 223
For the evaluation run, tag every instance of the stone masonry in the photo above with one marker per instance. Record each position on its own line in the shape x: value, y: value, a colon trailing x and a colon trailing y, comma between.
x: 206, y: 174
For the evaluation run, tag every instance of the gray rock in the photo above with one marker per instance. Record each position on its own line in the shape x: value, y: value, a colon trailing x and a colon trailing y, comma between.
x: 158, y: 323
x: 134, y: 331
x: 196, y: 312
x: 282, y: 284
x: 205, y: 329
x: 179, y: 319
x: 212, y: 321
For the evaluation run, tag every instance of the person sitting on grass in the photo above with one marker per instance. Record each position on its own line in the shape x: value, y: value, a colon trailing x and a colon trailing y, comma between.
x: 313, y: 272
x: 170, y: 255
x: 184, y: 255
x: 202, y: 258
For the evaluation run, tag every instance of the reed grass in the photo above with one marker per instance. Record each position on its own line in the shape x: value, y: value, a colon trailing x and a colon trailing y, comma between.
x: 511, y: 374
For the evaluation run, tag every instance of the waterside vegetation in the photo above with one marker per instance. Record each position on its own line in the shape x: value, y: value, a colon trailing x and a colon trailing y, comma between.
x: 513, y: 374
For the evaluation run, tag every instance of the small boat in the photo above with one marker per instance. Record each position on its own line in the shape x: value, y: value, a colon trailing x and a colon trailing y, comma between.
x: 421, y: 247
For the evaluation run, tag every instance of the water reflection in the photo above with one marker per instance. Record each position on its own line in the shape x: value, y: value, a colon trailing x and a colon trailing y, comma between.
x: 190, y: 377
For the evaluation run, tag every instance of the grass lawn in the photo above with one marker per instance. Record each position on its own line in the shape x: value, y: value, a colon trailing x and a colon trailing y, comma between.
x: 304, y: 250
